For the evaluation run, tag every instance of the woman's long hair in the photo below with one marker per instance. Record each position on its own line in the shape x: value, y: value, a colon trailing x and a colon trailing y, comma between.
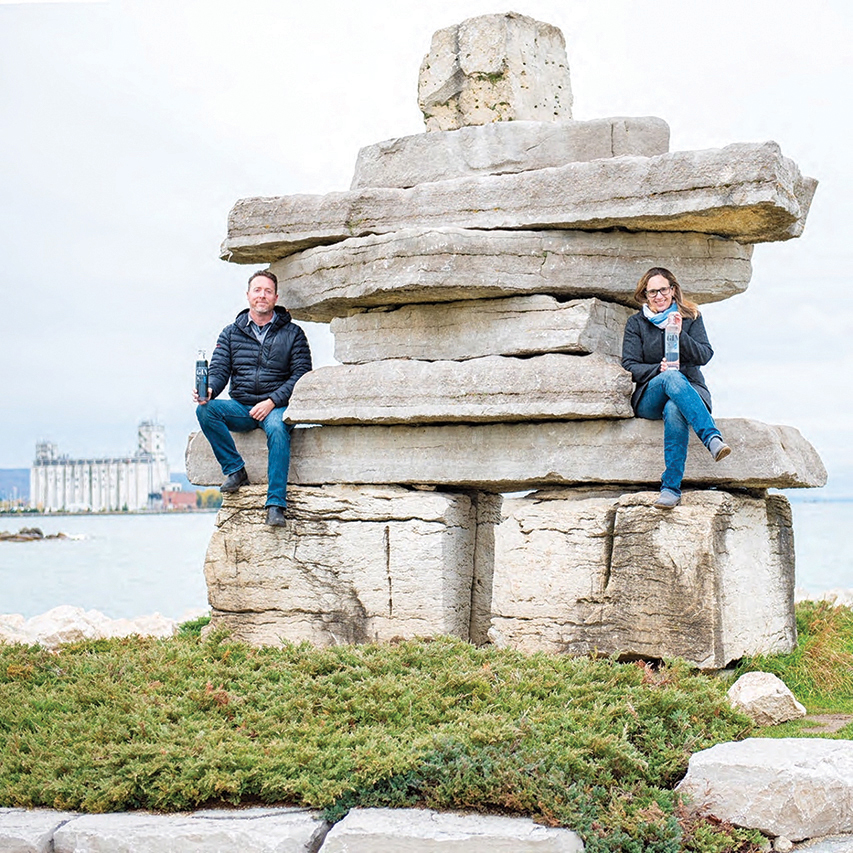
x: 685, y: 307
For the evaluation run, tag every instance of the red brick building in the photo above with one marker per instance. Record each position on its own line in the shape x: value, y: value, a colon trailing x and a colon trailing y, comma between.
x: 178, y: 500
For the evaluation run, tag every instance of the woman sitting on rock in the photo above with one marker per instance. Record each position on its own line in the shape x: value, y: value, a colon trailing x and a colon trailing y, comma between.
x: 678, y: 396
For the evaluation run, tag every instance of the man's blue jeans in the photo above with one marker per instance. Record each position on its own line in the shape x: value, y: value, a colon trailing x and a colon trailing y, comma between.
x: 671, y: 396
x: 219, y: 418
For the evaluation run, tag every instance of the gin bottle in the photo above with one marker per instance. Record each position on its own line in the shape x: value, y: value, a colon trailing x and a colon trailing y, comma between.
x: 671, y: 331
x: 201, y: 376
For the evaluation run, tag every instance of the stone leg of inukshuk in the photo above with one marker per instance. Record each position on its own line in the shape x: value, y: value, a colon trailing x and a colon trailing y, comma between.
x: 709, y: 584
x: 356, y: 564
x: 477, y: 278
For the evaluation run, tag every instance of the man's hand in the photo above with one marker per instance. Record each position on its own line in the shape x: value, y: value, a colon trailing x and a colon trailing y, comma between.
x: 260, y: 410
x: 197, y: 399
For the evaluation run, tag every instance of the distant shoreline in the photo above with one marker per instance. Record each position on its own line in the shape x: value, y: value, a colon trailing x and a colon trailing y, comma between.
x: 816, y: 499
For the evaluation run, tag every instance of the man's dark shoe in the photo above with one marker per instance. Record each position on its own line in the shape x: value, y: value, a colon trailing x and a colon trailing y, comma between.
x: 234, y: 481
x: 275, y: 516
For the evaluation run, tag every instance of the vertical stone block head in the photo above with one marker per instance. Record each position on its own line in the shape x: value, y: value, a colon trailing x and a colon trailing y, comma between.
x: 495, y: 68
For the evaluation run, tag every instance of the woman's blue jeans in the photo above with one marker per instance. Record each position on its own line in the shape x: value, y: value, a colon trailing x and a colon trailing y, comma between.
x: 670, y: 396
x: 219, y: 418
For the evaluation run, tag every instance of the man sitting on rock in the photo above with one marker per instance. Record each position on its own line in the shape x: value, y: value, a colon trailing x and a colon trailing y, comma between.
x: 263, y: 354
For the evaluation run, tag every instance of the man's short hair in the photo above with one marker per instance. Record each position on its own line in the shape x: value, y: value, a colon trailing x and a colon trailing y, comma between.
x: 265, y: 274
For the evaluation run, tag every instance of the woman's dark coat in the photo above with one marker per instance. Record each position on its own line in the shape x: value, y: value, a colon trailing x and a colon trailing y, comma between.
x: 643, y: 347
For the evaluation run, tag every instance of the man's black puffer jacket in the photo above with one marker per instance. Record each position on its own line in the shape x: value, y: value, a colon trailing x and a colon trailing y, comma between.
x: 257, y: 372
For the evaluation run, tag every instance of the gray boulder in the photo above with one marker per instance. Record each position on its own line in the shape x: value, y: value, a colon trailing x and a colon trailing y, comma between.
x: 495, y: 68
x: 765, y: 697
x: 353, y: 564
x: 256, y: 830
x: 30, y: 830
x: 794, y: 787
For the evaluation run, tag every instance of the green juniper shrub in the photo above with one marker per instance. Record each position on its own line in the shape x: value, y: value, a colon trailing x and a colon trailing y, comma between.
x: 587, y: 743
x: 174, y: 724
x: 193, y: 627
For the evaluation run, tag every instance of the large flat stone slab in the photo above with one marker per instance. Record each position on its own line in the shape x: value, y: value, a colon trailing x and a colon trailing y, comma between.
x: 748, y: 192
x: 794, y: 787
x: 427, y: 831
x: 504, y: 147
x: 257, y: 830
x: 579, y: 572
x: 481, y: 390
x: 495, y: 68
x: 456, y: 331
x: 447, y: 264
x: 354, y: 564
x: 30, y: 830
x: 513, y: 457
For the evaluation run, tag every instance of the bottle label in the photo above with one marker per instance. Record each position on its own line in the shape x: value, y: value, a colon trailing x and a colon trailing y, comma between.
x: 201, y: 379
x: 671, y: 350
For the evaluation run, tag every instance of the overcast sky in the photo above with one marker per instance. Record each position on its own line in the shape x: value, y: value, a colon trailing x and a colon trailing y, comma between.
x: 130, y: 128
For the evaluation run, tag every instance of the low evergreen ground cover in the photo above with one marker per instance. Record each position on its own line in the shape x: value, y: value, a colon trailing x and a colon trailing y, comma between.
x: 591, y: 744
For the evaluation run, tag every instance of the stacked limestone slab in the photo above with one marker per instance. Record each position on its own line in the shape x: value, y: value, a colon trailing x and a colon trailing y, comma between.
x: 477, y: 279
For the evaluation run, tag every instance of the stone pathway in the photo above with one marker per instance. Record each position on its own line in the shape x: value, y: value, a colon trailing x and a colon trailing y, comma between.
x: 826, y: 724
x: 277, y: 830
x: 291, y: 830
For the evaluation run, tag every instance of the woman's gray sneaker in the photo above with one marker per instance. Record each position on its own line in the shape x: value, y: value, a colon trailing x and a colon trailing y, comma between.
x: 667, y: 500
x: 719, y: 449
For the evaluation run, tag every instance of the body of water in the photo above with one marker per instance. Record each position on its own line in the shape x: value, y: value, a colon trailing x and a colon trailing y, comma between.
x: 132, y: 565
x: 824, y: 544
x: 122, y: 565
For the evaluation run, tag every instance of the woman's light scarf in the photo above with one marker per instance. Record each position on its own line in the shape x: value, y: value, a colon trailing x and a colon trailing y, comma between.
x: 660, y: 318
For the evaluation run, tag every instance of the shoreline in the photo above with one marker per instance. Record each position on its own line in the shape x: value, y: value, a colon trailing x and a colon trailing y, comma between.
x: 104, y: 513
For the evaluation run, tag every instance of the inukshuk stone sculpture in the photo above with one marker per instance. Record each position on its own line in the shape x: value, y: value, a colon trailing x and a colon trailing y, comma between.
x: 477, y: 278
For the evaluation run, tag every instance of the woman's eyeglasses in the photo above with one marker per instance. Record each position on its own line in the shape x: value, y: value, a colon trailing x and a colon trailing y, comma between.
x: 661, y: 291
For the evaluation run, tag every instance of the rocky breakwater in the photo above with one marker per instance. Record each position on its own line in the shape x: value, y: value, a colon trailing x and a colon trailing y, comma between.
x: 477, y: 278
x: 29, y: 534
